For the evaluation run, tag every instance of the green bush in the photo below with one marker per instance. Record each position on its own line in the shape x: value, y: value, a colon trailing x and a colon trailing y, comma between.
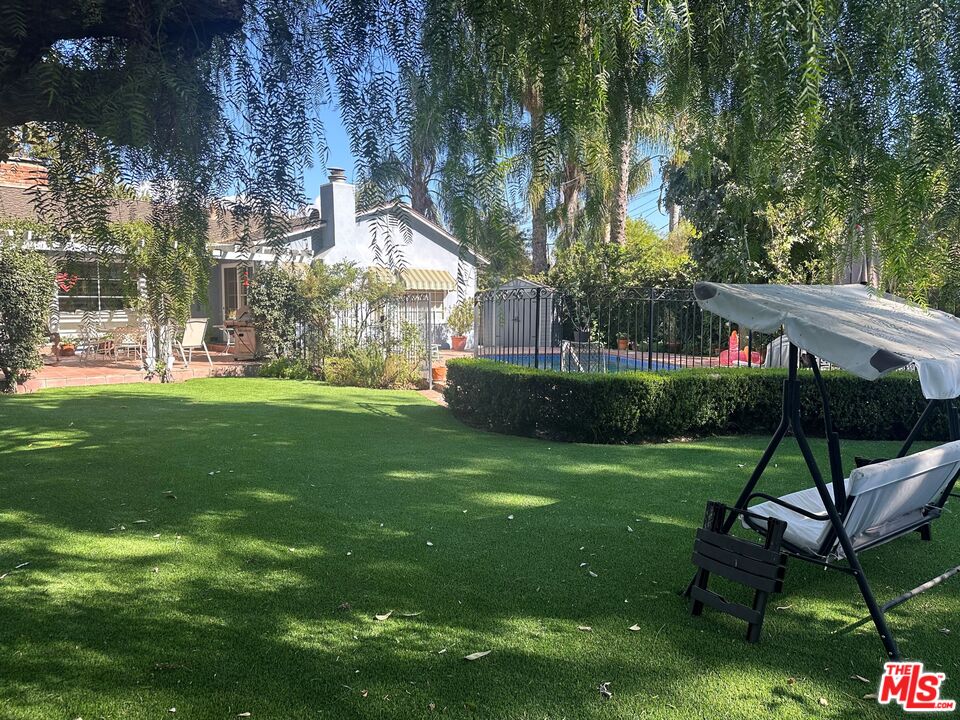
x: 287, y: 369
x: 277, y: 302
x: 26, y: 292
x: 626, y: 407
x: 370, y: 368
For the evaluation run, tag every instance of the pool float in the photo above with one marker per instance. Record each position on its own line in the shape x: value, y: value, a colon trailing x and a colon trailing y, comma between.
x: 733, y: 355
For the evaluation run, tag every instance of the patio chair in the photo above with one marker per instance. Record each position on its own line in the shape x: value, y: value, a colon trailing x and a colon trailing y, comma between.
x: 194, y: 333
x: 128, y: 340
x: 92, y: 343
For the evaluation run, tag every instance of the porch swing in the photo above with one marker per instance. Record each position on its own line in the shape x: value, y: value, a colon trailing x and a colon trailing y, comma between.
x: 829, y: 524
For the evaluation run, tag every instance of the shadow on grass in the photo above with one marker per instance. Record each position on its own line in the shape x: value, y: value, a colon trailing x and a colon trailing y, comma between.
x: 223, y: 547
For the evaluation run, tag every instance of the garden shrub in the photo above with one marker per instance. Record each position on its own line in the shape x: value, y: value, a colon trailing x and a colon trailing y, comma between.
x: 370, y: 368
x: 26, y: 292
x: 625, y: 407
x: 287, y: 369
x: 278, y: 305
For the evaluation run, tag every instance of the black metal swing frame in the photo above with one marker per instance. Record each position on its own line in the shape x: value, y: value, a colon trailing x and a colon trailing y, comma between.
x: 720, y: 519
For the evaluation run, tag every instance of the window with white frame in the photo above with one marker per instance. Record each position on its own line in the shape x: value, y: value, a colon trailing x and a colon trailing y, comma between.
x: 91, y: 286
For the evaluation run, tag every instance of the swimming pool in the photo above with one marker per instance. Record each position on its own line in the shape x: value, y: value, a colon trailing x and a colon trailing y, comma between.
x: 551, y: 361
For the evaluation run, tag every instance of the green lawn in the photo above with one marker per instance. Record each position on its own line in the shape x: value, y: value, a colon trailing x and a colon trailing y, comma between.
x: 223, y: 546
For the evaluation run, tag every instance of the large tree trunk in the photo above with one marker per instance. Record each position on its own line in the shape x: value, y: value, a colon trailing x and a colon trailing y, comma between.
x: 673, y: 215
x: 420, y: 198
x: 570, y: 197
x: 622, y: 157
x: 538, y: 205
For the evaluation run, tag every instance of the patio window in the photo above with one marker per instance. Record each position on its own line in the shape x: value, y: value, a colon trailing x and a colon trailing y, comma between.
x: 91, y: 286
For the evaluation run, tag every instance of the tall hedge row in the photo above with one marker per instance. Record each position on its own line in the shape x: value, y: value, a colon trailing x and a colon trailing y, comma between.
x: 626, y: 407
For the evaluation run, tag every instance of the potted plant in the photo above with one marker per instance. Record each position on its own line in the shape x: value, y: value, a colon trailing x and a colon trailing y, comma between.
x: 439, y: 373
x: 460, y: 322
x: 623, y: 341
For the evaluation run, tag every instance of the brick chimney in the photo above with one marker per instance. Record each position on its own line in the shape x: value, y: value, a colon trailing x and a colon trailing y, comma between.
x: 18, y: 172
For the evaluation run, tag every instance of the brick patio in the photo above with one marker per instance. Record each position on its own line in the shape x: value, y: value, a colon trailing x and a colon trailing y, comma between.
x: 70, y: 372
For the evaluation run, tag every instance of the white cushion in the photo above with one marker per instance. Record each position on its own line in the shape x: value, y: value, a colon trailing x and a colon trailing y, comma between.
x: 802, y: 532
x: 888, y: 497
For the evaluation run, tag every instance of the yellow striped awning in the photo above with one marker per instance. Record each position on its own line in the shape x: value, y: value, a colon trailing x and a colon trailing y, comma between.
x: 422, y: 278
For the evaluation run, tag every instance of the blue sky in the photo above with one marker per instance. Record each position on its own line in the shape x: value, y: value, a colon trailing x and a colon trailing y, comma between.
x: 644, y: 204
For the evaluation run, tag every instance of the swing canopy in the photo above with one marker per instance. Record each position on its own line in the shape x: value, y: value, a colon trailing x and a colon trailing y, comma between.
x: 853, y: 327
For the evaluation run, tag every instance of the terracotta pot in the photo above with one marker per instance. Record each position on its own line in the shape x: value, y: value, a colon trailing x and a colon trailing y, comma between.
x: 622, y: 343
x: 68, y: 350
x: 458, y: 342
x: 439, y: 373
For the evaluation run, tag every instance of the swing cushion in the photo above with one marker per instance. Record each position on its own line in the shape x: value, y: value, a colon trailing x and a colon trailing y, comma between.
x: 885, y: 499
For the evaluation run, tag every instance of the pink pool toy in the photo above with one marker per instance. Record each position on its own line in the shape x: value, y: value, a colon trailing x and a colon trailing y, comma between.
x: 733, y: 355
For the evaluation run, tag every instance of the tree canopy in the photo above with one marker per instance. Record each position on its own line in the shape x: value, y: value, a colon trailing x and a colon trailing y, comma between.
x: 797, y: 134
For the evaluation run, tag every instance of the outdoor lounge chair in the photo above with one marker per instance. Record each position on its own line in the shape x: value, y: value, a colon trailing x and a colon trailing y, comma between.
x: 883, y: 501
x: 838, y: 518
x: 194, y: 333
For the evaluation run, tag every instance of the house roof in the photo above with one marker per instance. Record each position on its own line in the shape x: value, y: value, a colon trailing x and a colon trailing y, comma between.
x: 19, y: 202
x: 423, y: 219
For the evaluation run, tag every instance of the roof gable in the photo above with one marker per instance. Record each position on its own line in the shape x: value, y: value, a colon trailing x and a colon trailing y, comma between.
x: 428, y: 229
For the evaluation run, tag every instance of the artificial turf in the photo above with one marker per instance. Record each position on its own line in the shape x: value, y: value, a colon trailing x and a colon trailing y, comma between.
x: 224, y: 546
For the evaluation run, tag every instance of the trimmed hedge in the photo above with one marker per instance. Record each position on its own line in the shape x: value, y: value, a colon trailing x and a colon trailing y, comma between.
x: 634, y: 406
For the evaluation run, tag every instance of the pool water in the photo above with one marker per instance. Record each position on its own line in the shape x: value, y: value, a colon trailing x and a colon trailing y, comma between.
x: 551, y: 361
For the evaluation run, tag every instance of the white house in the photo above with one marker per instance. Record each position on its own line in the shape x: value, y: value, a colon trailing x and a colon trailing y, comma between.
x: 394, y: 237
x: 430, y: 261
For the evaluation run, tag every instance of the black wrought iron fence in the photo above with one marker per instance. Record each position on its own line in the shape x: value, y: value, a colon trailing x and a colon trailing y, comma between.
x: 631, y: 329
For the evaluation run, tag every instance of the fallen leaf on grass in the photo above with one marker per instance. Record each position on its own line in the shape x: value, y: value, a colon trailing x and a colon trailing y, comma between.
x: 431, y: 707
x: 584, y: 628
x: 167, y: 666
x: 157, y: 536
x: 384, y: 616
x: 413, y: 614
x: 634, y: 628
x: 509, y: 517
x: 861, y: 678
x: 629, y: 529
x: 21, y: 565
x: 945, y: 631
x: 870, y: 696
x: 441, y: 652
x: 791, y: 681
x: 243, y: 714
x: 605, y: 692
x: 477, y: 655
x: 429, y: 544
x: 591, y: 573
x: 344, y: 606
x: 823, y: 701
x: 364, y: 693
x: 139, y: 522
